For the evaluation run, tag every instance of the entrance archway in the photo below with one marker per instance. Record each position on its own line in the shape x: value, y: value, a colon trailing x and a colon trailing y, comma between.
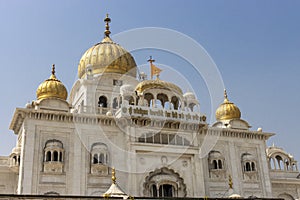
x: 164, y: 182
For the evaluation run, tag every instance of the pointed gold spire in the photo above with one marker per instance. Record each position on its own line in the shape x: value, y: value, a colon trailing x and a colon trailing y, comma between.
x: 53, y: 69
x: 107, y: 20
x: 53, y: 77
x: 225, y: 94
x: 113, y: 176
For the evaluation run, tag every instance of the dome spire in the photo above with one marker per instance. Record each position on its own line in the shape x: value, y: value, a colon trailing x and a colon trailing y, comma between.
x: 113, y: 176
x: 107, y: 20
x: 53, y: 73
x: 53, y: 69
x: 225, y: 96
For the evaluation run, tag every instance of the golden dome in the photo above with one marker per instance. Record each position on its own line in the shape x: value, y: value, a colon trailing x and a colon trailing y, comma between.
x: 157, y: 84
x: 52, y: 88
x: 227, y: 110
x: 107, y: 57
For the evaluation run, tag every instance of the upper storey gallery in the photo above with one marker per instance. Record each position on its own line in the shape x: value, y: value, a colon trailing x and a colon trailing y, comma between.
x: 108, y: 85
x: 107, y: 81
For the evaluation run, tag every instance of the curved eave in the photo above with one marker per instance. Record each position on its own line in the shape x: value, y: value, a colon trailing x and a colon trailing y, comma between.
x: 226, y: 132
x: 17, y: 120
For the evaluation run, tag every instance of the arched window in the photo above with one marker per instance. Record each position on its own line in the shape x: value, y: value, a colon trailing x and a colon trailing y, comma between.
x: 216, y: 165
x: 249, y: 167
x: 215, y: 162
x: 248, y: 161
x: 102, y: 101
x: 99, y: 159
x: 15, y: 159
x: 53, y: 152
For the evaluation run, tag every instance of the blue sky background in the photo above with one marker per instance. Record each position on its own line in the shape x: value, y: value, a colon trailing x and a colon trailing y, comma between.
x: 255, y: 45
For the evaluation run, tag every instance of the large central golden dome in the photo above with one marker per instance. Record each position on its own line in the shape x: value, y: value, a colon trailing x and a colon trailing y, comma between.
x: 227, y: 110
x: 107, y: 57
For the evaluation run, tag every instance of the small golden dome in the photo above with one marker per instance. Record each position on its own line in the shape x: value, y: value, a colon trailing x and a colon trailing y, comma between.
x: 227, y: 110
x: 157, y: 84
x: 107, y: 57
x: 52, y: 88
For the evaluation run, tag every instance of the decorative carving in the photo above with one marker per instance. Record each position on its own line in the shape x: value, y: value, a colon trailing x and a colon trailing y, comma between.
x: 53, y: 167
x: 217, y: 174
x: 164, y: 160
x: 250, y: 176
x: 99, y: 169
x: 185, y: 163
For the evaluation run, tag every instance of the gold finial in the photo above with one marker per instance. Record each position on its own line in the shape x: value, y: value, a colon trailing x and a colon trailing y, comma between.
x: 230, y: 183
x: 53, y: 69
x: 113, y: 175
x: 225, y: 94
x: 53, y: 77
x: 107, y: 21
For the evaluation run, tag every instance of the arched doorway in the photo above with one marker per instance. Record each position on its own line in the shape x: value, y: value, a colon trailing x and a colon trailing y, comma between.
x: 164, y: 182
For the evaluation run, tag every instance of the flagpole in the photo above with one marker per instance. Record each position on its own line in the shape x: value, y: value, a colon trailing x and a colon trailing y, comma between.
x: 151, y: 61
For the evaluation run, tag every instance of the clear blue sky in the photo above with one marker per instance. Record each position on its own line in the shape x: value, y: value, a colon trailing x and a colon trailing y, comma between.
x: 255, y: 45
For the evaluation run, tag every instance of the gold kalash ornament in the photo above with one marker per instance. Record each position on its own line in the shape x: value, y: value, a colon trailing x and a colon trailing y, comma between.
x: 227, y: 110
